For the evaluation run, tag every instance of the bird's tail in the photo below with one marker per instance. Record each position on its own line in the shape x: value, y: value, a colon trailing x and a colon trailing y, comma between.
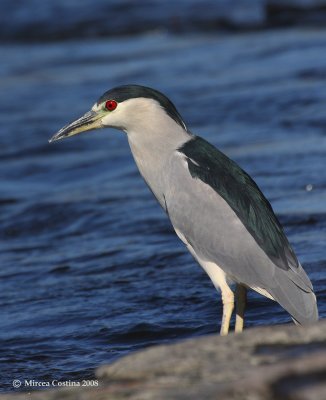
x: 296, y: 298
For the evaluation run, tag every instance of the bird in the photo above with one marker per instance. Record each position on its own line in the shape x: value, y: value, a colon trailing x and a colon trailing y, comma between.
x: 215, y: 207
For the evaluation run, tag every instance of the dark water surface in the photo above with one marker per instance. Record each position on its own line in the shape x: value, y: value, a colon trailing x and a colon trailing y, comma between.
x: 90, y: 267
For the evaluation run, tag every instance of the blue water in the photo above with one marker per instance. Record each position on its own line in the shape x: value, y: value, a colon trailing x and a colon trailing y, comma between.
x: 90, y: 267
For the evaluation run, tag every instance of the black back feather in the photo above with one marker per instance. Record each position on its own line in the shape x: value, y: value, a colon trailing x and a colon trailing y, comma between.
x: 236, y: 187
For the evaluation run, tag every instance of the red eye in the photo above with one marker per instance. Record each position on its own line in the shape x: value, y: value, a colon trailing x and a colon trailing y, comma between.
x: 111, y: 105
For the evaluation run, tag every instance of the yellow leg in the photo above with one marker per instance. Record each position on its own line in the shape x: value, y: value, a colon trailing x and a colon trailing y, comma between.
x: 241, y: 300
x: 218, y: 278
x: 228, y: 306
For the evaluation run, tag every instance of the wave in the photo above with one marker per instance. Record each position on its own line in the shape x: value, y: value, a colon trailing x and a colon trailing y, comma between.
x: 35, y: 21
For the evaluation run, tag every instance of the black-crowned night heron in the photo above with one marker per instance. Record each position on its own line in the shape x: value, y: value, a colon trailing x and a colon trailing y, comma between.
x: 215, y: 207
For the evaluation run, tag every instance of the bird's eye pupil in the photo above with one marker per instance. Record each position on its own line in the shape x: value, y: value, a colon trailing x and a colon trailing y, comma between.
x: 111, y: 105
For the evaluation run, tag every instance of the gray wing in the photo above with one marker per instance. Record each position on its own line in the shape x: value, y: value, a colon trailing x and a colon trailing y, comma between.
x: 237, y: 188
x: 212, y: 226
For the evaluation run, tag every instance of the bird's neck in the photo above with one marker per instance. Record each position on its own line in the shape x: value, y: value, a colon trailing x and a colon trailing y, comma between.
x: 152, y: 151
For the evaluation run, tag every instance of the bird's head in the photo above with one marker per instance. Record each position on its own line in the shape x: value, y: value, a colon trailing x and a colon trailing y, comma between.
x: 129, y: 108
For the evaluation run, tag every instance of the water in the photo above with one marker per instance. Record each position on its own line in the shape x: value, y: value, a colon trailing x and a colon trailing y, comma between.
x: 90, y: 267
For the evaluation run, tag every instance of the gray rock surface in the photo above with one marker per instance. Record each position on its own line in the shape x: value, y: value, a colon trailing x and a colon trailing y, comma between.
x: 270, y: 363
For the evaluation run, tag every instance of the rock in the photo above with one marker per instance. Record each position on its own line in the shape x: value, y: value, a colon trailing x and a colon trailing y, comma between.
x: 269, y: 363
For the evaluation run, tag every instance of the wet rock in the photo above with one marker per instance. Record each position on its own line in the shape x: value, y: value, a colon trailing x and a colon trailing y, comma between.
x: 270, y: 363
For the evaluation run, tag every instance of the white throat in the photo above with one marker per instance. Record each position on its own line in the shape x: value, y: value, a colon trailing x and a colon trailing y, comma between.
x: 153, y: 138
